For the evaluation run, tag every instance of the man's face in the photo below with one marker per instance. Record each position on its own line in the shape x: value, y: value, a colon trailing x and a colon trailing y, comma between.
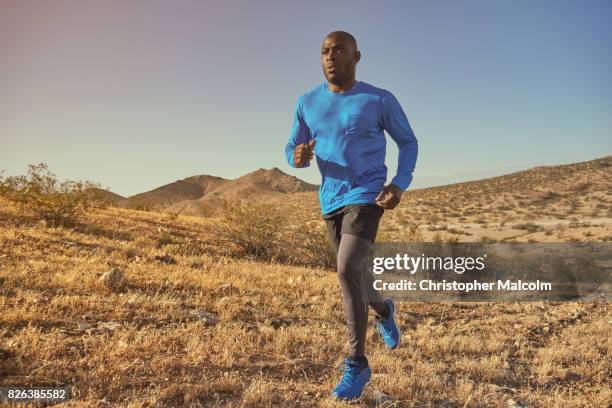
x: 338, y: 58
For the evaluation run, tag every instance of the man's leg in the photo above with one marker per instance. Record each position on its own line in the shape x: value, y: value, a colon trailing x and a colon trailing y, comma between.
x: 352, y: 254
x: 356, y: 280
x: 375, y: 301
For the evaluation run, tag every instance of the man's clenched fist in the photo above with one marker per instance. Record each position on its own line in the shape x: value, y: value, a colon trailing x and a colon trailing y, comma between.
x: 389, y: 197
x: 304, y: 153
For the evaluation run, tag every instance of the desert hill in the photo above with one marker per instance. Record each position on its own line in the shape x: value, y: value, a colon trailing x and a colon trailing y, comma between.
x: 544, y: 203
x: 259, y: 185
x: 559, y: 178
x: 542, y: 185
x: 162, y: 197
x: 201, y: 194
x: 109, y: 197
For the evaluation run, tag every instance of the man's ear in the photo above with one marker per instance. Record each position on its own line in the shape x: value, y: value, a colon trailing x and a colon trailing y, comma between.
x: 357, y: 56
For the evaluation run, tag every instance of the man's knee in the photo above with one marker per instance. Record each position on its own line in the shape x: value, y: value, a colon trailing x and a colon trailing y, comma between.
x: 349, y: 269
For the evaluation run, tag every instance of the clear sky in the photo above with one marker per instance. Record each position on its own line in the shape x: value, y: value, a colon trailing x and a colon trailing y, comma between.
x: 136, y: 94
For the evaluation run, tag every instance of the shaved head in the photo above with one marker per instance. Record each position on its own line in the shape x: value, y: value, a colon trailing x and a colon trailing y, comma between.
x: 339, y: 57
x: 343, y: 35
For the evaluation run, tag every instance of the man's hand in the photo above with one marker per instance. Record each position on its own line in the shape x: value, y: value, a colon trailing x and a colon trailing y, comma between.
x: 304, y: 153
x: 389, y: 197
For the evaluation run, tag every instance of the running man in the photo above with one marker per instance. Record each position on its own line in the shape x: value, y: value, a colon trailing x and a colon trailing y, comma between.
x: 342, y: 123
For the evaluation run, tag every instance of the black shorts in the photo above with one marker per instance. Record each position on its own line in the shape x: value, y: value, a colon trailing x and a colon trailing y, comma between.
x: 355, y: 219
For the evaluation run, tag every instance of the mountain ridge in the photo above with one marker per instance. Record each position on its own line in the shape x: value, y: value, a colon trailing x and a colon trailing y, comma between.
x: 204, y: 194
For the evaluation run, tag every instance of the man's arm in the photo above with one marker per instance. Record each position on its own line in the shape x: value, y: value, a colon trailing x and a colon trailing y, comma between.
x: 396, y: 124
x: 300, y: 135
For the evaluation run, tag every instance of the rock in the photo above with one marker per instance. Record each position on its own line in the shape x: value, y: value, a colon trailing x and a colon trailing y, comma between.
x: 274, y: 323
x: 383, y: 399
x: 515, y: 404
x: 81, y: 325
x: 207, y: 318
x: 226, y: 289
x: 109, y: 325
x: 167, y: 259
x: 113, y: 279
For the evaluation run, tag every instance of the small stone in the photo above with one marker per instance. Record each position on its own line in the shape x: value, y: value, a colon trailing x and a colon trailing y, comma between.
x: 167, y: 259
x: 383, y: 399
x: 515, y: 404
x: 109, y: 325
x: 207, y: 318
x: 226, y: 289
x: 83, y: 325
x: 113, y: 279
x: 274, y: 323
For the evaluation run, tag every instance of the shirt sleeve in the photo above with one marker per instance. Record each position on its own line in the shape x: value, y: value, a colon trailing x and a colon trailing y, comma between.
x: 300, y: 133
x: 396, y: 124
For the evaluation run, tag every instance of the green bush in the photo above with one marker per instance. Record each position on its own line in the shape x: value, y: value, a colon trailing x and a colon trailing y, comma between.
x: 58, y: 203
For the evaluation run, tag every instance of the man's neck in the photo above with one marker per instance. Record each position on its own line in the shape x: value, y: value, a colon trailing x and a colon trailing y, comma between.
x: 342, y: 87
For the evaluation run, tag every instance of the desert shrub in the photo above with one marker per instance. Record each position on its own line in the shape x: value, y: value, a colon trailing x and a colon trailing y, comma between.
x: 58, y: 203
x: 527, y: 226
x: 550, y: 195
x: 412, y: 233
x: 444, y: 237
x: 315, y: 245
x: 172, y: 216
x: 256, y: 229
x: 573, y: 206
x: 164, y: 238
x: 480, y: 220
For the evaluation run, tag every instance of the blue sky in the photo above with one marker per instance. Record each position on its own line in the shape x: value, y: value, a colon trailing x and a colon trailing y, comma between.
x: 141, y: 93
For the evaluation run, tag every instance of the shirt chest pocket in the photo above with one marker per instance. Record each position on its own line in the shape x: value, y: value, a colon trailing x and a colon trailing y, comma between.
x: 360, y: 125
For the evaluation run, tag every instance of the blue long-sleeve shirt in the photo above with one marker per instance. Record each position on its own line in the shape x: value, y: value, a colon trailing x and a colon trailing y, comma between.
x: 351, y: 145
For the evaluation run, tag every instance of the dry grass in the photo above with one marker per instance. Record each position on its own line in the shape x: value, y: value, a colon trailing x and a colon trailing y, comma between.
x: 280, y: 332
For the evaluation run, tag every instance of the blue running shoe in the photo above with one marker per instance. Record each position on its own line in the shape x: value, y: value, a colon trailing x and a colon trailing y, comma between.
x: 356, y: 377
x: 388, y: 328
